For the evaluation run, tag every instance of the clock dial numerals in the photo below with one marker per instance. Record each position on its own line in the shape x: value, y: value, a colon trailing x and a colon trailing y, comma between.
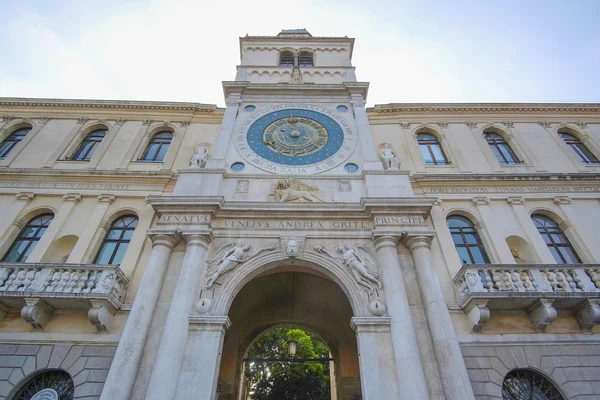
x: 295, y: 136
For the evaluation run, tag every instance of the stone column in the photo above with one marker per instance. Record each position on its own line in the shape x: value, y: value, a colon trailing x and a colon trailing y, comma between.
x: 377, y: 367
x: 200, y: 368
x: 163, y: 382
x: 533, y: 235
x: 455, y: 379
x: 78, y: 253
x: 123, y: 370
x: 13, y: 212
x: 497, y: 243
x: 69, y: 202
x: 410, y: 374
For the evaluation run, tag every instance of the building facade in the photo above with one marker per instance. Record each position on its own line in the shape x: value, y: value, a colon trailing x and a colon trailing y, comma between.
x: 442, y: 251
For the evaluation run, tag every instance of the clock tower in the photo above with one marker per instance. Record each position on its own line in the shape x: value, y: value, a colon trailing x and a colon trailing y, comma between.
x: 295, y: 111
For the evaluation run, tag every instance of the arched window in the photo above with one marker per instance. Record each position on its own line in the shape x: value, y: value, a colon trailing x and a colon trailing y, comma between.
x: 305, y: 59
x: 467, y: 241
x: 57, y: 380
x: 116, y: 240
x: 501, y: 149
x: 286, y: 59
x: 89, y: 145
x: 12, y: 140
x: 524, y: 384
x: 584, y: 154
x: 431, y: 149
x: 555, y: 239
x: 157, y: 148
x: 28, y: 238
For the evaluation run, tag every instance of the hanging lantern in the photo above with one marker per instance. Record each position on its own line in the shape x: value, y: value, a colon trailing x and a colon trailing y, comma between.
x: 292, y: 344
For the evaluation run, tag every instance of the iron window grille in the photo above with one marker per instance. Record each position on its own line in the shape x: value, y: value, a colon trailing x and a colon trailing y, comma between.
x: 528, y: 385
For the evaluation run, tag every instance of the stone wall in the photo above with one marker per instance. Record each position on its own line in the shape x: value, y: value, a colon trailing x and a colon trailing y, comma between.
x: 574, y: 368
x: 87, y: 365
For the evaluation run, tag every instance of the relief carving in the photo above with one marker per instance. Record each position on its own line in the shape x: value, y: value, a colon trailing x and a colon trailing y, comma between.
x: 229, y: 256
x: 288, y: 190
x: 359, y: 261
x: 389, y: 157
x: 292, y: 246
x: 199, y: 157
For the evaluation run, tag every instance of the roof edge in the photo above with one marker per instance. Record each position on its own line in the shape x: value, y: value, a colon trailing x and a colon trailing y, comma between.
x: 128, y: 104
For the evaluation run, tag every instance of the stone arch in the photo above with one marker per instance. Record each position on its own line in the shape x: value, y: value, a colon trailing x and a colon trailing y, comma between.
x: 85, y: 130
x: 266, y: 262
x: 60, y: 249
x: 19, y: 223
x: 15, y: 125
x: 523, y: 249
x: 26, y: 380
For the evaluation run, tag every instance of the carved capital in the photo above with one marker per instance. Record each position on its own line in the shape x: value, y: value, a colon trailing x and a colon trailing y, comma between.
x: 405, y: 125
x: 25, y: 196
x: 588, y: 314
x: 558, y: 200
x: 508, y: 124
x: 164, y: 238
x: 582, y: 125
x: 478, y: 314
x: 7, y: 118
x: 442, y: 124
x: 516, y: 201
x: 209, y: 323
x: 370, y: 324
x: 184, y: 124
x: 418, y: 241
x: 147, y: 122
x: 381, y: 242
x: 74, y: 197
x: 44, y: 120
x: 109, y: 198
x: 481, y: 201
x: 82, y: 120
x: 100, y: 314
x: 121, y: 121
x: 479, y: 225
x: 198, y: 238
x: 545, y: 124
x: 564, y: 225
x: 542, y: 313
x: 471, y: 125
x: 37, y: 312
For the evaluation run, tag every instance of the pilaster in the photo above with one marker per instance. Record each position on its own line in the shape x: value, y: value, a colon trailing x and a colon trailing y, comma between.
x: 22, y: 199
x: 533, y: 236
x: 495, y: 238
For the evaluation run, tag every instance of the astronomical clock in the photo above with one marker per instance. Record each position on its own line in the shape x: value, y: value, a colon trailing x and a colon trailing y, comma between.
x: 295, y: 138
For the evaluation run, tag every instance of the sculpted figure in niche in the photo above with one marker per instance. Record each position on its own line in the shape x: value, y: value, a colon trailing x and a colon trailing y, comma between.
x: 389, y: 157
x: 362, y: 265
x: 294, y: 190
x: 230, y: 256
x: 199, y: 157
x: 296, y: 76
x: 515, y: 254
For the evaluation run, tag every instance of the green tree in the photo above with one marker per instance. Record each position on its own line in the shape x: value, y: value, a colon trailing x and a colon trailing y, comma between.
x: 288, y: 380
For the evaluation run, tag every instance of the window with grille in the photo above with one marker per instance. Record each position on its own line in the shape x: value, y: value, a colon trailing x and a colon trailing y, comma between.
x: 305, y: 59
x: 286, y: 59
x: 116, y: 240
x: 501, y: 149
x: 466, y: 240
x: 523, y: 384
x: 56, y: 381
x: 89, y: 145
x: 157, y: 148
x: 555, y: 239
x: 12, y: 140
x: 431, y: 149
x: 577, y: 146
x: 28, y: 238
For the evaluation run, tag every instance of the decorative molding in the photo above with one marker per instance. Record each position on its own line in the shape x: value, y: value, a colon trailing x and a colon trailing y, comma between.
x: 75, y: 197
x: 82, y: 120
x: 140, y: 105
x: 588, y: 314
x: 582, y: 125
x: 508, y: 124
x: 345, y: 186
x: 166, y: 123
x: 405, y: 125
x: 7, y: 118
x: 545, y: 124
x: 184, y: 124
x: 442, y: 124
x: 107, y: 198
x: 147, y: 122
x: 478, y: 314
x: 121, y: 121
x: 44, y: 120
x: 516, y: 201
x: 542, y: 313
x: 37, y: 312
x: 26, y: 196
x: 471, y: 125
x: 486, y: 108
x: 558, y: 200
x: 481, y: 201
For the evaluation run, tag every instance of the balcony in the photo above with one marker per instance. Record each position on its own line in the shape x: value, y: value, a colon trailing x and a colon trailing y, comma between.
x: 40, y: 290
x: 539, y: 289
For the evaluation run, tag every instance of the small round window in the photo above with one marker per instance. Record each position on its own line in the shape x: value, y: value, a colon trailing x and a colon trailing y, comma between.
x: 341, y: 108
x: 238, y: 166
x: 250, y: 108
x: 351, y: 167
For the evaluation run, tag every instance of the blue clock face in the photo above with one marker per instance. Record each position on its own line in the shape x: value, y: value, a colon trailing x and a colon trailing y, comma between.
x: 295, y: 137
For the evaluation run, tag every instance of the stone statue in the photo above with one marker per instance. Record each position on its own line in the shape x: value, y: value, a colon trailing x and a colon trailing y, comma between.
x: 389, y: 157
x: 230, y: 256
x: 291, y: 189
x: 296, y: 76
x: 515, y: 254
x: 199, y: 157
x: 362, y: 265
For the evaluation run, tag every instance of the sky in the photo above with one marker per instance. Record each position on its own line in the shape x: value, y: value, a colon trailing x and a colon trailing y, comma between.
x: 410, y: 51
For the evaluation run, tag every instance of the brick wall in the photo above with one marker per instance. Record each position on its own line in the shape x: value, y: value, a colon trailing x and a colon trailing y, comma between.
x: 87, y: 365
x: 573, y: 368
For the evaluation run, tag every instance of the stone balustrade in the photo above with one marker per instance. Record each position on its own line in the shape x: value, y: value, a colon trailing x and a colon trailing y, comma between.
x: 539, y: 289
x: 38, y: 290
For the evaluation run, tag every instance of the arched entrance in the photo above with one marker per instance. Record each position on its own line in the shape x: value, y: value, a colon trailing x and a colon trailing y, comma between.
x: 274, y: 298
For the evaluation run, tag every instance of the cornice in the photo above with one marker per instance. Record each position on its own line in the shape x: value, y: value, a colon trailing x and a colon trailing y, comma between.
x: 549, y: 177
x: 46, y: 172
x: 403, y: 108
x: 110, y: 104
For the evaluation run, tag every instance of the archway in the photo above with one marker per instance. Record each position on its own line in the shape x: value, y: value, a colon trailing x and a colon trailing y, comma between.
x: 273, y: 299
